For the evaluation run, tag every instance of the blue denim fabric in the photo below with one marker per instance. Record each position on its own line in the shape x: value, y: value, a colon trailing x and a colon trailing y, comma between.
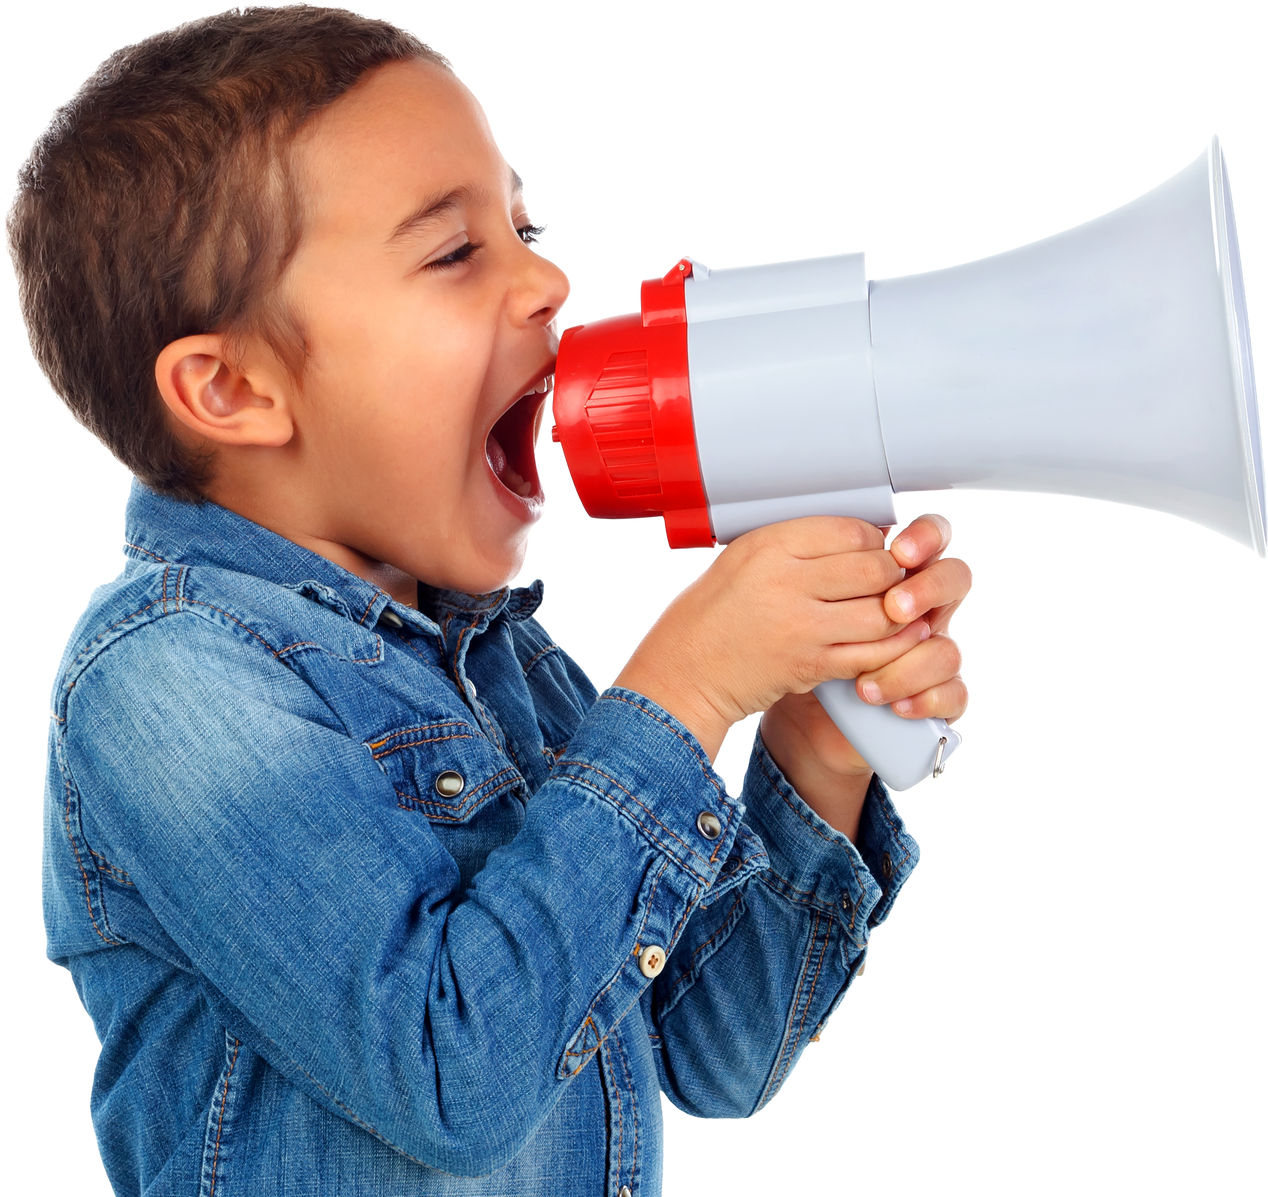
x: 313, y: 973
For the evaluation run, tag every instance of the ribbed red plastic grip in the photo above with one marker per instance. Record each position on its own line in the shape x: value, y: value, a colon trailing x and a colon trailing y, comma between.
x: 623, y: 415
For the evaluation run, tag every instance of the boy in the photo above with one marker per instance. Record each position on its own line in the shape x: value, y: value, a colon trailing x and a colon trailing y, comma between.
x: 365, y: 888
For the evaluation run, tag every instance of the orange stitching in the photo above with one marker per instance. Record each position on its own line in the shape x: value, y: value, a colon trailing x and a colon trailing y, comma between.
x: 416, y: 743
x: 404, y: 731
x: 115, y: 873
x: 111, y: 628
x: 421, y: 804
x: 691, y: 967
x: 313, y: 644
x: 790, y: 1054
x: 721, y: 927
x: 220, y: 1123
x: 704, y: 761
x: 619, y: 1047
x: 647, y: 911
x: 82, y: 871
x: 642, y: 806
x: 249, y: 632
x: 373, y: 599
x: 779, y: 789
x: 782, y: 1062
x: 127, y: 544
x: 620, y: 1115
x: 537, y: 656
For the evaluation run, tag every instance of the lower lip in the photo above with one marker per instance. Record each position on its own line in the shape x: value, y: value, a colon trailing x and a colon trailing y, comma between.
x: 527, y: 509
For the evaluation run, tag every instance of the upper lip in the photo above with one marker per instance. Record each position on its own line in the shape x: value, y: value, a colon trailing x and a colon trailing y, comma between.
x: 547, y: 372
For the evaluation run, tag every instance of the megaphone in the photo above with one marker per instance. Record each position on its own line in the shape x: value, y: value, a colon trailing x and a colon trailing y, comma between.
x: 1111, y: 361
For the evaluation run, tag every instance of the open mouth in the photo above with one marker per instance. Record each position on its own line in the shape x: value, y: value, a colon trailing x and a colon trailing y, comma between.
x: 509, y: 447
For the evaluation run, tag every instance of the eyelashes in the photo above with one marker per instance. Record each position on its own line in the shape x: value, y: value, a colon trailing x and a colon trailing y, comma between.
x: 527, y: 233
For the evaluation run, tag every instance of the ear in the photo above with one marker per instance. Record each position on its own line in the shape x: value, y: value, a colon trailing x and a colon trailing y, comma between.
x: 212, y: 393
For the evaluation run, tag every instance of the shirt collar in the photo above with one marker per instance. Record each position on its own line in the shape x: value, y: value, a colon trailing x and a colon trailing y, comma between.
x: 160, y: 528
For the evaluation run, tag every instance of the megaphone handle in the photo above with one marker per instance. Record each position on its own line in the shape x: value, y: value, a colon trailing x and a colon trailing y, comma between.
x: 902, y: 751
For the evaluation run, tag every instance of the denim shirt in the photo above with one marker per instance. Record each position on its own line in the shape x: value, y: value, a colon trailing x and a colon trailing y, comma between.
x: 369, y: 900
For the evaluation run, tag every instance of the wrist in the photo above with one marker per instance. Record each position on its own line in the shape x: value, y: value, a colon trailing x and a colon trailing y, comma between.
x: 692, y: 709
x: 836, y: 792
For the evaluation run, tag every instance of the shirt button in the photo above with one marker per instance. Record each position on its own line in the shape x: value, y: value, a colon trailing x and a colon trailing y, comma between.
x: 471, y: 689
x: 651, y: 960
x: 846, y: 904
x: 624, y: 1191
x: 708, y: 825
x: 391, y: 618
x: 450, y: 784
x: 887, y: 866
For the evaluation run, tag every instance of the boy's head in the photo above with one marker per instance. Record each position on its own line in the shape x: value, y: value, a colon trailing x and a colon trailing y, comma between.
x: 274, y: 258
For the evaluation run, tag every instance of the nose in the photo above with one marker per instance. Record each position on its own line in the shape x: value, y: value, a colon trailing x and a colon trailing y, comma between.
x: 542, y: 290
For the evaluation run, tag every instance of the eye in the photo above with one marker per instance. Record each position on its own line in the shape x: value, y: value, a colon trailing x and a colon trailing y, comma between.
x: 454, y: 257
x: 530, y: 232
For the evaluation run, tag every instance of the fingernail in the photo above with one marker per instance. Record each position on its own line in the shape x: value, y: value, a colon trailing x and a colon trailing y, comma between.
x: 925, y: 631
x: 906, y: 546
x: 871, y: 691
x: 904, y: 601
x: 903, y: 705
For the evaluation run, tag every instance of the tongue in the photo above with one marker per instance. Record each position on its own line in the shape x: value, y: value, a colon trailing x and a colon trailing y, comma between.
x: 497, y: 457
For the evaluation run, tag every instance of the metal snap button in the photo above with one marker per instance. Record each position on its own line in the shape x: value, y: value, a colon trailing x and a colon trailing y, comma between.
x: 651, y: 960
x: 450, y: 784
x: 391, y: 618
x: 708, y: 825
x: 887, y: 866
x: 471, y: 689
x: 846, y: 904
x: 624, y: 1191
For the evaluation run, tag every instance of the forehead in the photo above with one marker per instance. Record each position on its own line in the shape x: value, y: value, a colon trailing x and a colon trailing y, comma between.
x: 406, y: 131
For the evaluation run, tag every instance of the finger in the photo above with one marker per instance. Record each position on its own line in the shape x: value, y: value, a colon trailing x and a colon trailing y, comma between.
x: 930, y: 663
x: 939, y: 618
x: 849, y: 660
x: 853, y: 621
x: 922, y: 541
x: 944, y: 582
x: 840, y: 576
x: 947, y: 700
x: 821, y: 535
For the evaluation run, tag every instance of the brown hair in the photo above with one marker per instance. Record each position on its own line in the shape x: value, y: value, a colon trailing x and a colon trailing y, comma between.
x: 159, y: 204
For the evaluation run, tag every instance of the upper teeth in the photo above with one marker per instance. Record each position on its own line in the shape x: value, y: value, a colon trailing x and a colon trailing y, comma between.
x: 546, y: 383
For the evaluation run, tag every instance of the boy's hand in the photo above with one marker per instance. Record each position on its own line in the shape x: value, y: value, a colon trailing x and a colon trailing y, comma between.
x: 788, y: 606
x: 819, y: 762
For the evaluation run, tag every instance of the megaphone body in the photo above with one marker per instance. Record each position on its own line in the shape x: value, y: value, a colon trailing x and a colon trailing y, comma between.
x: 1110, y: 361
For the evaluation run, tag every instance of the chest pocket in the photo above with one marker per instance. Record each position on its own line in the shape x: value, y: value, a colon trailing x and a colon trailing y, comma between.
x: 447, y: 770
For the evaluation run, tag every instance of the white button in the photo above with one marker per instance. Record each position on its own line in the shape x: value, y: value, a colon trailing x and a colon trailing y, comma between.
x: 391, y: 618
x: 651, y: 960
x: 624, y: 1191
x: 471, y: 689
x: 450, y: 784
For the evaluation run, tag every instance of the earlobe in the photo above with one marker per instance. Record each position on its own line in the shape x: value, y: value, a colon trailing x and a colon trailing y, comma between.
x: 211, y: 394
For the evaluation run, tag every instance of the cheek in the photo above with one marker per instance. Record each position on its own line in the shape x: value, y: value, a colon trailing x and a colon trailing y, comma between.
x: 404, y: 377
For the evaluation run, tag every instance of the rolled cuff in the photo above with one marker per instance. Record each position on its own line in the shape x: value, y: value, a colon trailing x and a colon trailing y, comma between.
x: 637, y: 756
x: 814, y: 864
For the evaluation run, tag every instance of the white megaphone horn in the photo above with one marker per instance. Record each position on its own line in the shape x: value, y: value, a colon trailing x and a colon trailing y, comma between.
x: 1111, y: 361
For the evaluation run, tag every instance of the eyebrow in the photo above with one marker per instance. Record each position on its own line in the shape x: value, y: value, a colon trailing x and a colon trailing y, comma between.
x: 435, y: 207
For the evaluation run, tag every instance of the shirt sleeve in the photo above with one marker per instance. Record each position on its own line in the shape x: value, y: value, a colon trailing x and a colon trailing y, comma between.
x: 774, y: 946
x: 328, y: 924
